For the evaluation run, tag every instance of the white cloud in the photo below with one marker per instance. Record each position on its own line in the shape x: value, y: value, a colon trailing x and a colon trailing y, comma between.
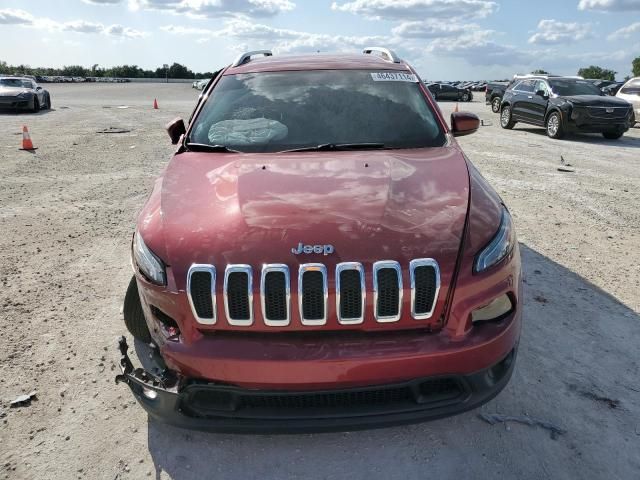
x: 412, y: 9
x: 25, y: 19
x: 11, y: 16
x: 432, y: 29
x: 279, y: 39
x: 102, y: 2
x: 610, y: 5
x: 216, y: 8
x: 625, y: 32
x: 552, y: 32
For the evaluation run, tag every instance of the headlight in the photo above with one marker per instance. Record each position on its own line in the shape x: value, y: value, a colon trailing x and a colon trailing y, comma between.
x: 148, y: 263
x: 499, y: 247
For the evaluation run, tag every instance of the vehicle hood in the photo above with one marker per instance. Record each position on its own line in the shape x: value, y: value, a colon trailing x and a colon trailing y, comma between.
x: 223, y: 208
x: 13, y: 91
x: 596, y: 101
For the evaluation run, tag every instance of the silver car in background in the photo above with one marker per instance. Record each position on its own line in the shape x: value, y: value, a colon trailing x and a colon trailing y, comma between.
x: 22, y: 93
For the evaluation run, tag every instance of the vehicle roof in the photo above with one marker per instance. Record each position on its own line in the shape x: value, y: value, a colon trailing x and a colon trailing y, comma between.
x: 317, y: 62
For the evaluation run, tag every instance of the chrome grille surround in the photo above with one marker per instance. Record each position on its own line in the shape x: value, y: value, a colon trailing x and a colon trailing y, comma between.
x: 239, y: 268
x: 423, y: 262
x: 312, y: 267
x: 358, y: 267
x: 211, y: 270
x: 275, y: 267
x: 381, y: 265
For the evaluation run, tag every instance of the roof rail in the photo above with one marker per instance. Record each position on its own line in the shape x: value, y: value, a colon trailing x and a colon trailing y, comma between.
x: 246, y: 57
x: 388, y: 55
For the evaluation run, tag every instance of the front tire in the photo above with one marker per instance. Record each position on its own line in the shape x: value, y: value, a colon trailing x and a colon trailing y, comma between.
x: 506, y: 118
x: 495, y: 104
x: 554, y: 126
x: 133, y: 314
x: 612, y: 135
x: 36, y: 105
x: 465, y: 97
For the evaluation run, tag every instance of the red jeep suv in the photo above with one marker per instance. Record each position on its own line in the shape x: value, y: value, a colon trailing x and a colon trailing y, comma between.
x: 319, y: 254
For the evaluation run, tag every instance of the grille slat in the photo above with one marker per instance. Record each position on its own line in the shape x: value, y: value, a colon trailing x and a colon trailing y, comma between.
x: 350, y: 293
x: 312, y: 293
x: 275, y: 295
x: 201, y: 281
x: 238, y: 297
x: 387, y: 287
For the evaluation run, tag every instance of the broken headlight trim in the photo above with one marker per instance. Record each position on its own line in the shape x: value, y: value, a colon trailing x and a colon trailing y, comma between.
x: 147, y: 262
x: 500, y: 246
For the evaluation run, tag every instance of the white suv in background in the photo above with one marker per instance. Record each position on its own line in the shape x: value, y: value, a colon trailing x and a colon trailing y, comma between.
x: 630, y: 92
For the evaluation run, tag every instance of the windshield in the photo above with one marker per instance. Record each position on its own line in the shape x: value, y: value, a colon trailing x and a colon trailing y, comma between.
x: 573, y: 87
x: 15, y: 82
x: 277, y: 111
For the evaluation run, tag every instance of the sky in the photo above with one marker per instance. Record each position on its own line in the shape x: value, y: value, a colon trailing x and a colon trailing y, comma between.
x: 442, y: 39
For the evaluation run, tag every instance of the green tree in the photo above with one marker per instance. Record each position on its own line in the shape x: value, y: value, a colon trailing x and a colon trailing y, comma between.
x: 597, y: 73
x: 635, y: 67
x: 539, y: 71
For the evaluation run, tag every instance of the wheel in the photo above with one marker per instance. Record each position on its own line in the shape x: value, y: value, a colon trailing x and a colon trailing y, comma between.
x: 36, y: 105
x: 612, y: 135
x: 505, y: 118
x: 465, y: 97
x: 48, y: 102
x: 495, y: 104
x: 554, y: 126
x: 133, y: 314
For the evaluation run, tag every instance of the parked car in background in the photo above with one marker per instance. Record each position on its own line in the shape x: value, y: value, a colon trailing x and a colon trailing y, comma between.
x: 602, y: 84
x: 200, y: 84
x: 493, y: 94
x: 21, y: 93
x: 443, y: 91
x: 612, y: 89
x: 564, y: 104
x: 293, y: 270
x: 630, y: 92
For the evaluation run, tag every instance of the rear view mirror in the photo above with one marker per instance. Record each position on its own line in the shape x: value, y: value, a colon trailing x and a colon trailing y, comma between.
x: 175, y: 129
x: 464, y: 123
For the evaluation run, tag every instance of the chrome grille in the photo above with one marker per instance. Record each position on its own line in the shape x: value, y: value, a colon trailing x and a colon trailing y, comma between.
x: 608, y: 112
x: 313, y: 293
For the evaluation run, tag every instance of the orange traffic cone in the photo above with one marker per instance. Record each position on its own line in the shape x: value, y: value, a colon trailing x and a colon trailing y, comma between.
x: 155, y: 104
x: 456, y: 109
x: 27, y: 144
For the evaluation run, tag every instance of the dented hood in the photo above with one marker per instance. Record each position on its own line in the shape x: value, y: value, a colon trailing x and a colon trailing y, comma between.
x: 223, y: 208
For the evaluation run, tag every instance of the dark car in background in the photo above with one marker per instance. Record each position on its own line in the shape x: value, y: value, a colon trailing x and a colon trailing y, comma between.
x: 493, y: 94
x: 565, y: 104
x: 21, y: 93
x: 444, y: 91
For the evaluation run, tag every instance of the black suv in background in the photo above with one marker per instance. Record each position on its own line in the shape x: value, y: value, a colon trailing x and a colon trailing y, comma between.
x: 564, y: 104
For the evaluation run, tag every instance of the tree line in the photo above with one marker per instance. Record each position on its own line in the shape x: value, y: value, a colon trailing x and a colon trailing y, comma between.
x: 596, y: 72
x: 176, y: 70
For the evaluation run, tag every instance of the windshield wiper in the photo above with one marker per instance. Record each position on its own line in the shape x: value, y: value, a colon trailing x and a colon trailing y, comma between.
x: 327, y: 147
x: 203, y: 147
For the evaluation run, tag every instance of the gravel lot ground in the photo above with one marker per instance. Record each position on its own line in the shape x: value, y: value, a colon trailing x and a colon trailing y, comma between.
x: 66, y: 216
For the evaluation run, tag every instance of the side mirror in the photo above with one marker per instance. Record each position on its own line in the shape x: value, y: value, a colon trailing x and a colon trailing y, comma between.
x: 38, y: 88
x: 542, y: 93
x: 464, y: 123
x: 175, y: 129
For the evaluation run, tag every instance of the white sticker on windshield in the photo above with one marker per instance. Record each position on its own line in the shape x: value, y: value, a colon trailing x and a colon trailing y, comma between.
x: 394, y: 77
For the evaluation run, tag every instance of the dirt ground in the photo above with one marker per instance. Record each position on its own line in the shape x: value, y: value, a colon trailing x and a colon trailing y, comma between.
x: 67, y: 213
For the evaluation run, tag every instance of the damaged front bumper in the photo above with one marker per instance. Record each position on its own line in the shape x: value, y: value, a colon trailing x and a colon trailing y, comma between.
x: 210, y: 406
